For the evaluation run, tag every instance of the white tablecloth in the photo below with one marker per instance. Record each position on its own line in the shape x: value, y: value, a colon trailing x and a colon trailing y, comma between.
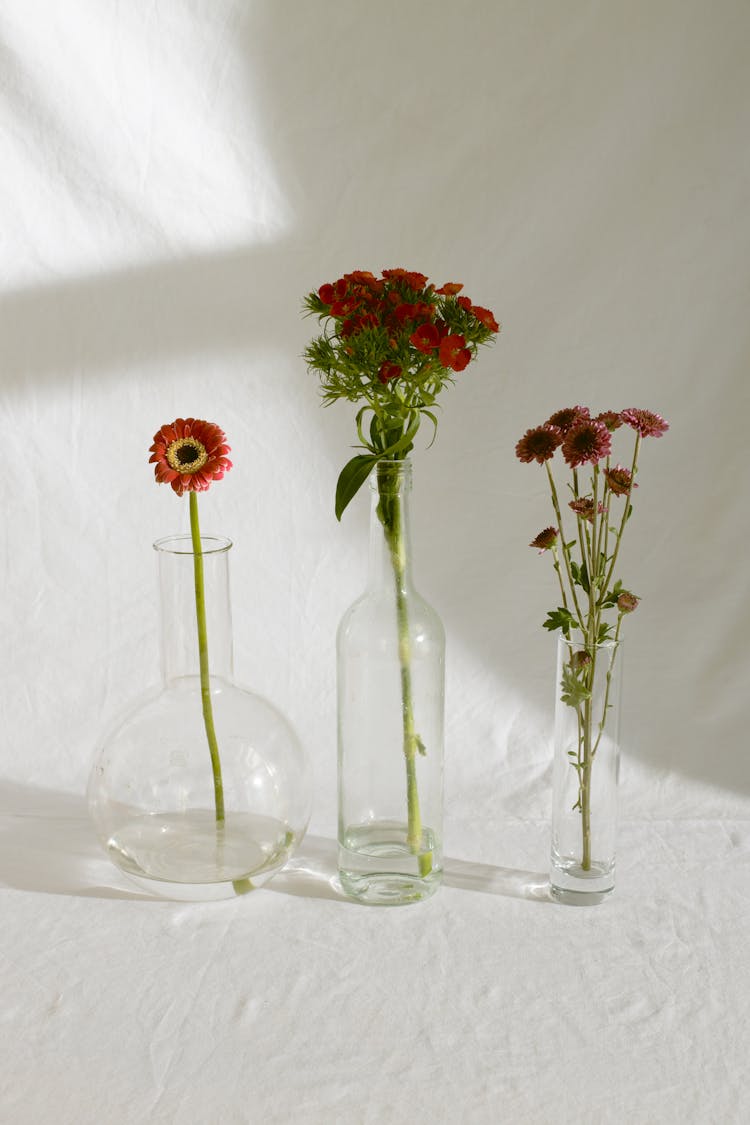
x: 487, y: 1003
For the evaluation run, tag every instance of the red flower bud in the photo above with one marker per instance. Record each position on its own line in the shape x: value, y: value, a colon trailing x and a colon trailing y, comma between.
x: 485, y: 317
x: 389, y: 371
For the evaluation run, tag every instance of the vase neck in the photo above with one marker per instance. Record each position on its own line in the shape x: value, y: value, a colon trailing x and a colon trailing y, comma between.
x: 390, y: 529
x: 179, y: 628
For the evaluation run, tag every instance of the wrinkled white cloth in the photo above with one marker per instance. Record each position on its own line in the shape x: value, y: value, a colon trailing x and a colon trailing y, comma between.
x: 489, y: 1002
x: 174, y: 178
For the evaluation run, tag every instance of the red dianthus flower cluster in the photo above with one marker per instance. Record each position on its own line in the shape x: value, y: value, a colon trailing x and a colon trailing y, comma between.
x: 408, y: 309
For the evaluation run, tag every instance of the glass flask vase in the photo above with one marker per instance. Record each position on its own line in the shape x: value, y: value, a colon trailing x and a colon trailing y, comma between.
x: 391, y: 670
x: 202, y: 789
x: 586, y: 769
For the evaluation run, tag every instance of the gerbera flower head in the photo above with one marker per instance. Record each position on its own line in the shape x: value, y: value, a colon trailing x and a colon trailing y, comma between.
x: 545, y: 539
x: 645, y: 422
x: 586, y: 441
x: 189, y: 454
x: 619, y: 480
x: 563, y: 420
x: 538, y: 444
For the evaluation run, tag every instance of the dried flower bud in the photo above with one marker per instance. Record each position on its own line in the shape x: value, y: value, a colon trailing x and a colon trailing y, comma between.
x: 545, y: 539
x: 627, y: 602
x: 581, y: 658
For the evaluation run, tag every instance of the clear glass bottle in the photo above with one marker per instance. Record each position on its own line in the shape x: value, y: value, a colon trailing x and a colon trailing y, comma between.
x: 586, y: 769
x: 391, y: 673
x: 161, y: 810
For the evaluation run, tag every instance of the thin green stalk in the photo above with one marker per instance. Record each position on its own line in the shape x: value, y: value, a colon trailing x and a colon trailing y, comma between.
x: 200, y: 614
x: 560, y: 529
x: 623, y: 521
x: 241, y: 886
x: 585, y: 784
x: 393, y: 528
x: 608, y: 686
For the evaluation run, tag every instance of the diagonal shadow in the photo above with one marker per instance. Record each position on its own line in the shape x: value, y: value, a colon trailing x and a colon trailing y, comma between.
x: 47, y: 845
x: 199, y: 304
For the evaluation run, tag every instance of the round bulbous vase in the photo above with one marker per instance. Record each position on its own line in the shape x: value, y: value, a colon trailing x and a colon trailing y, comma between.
x: 172, y: 817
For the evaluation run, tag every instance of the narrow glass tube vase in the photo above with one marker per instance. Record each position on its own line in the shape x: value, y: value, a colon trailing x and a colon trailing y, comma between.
x: 199, y: 792
x: 586, y: 769
x: 391, y: 673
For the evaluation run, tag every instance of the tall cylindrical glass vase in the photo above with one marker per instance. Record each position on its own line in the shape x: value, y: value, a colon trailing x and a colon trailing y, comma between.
x: 586, y: 769
x: 391, y: 671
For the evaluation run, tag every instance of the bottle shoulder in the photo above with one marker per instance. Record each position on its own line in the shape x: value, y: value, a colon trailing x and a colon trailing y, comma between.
x: 375, y: 614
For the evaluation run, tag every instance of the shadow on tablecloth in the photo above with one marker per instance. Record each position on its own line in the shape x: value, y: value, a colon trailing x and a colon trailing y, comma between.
x: 48, y: 845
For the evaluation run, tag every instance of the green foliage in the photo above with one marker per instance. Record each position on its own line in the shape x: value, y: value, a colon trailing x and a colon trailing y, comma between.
x: 575, y: 685
x: 370, y: 351
x: 352, y: 477
x: 560, y: 618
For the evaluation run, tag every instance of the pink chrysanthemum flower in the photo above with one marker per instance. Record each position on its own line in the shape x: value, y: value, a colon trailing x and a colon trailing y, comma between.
x: 627, y: 602
x: 611, y: 419
x: 583, y: 508
x: 587, y: 441
x: 545, y: 539
x: 563, y: 420
x: 645, y: 422
x: 619, y: 480
x: 189, y: 454
x: 538, y: 444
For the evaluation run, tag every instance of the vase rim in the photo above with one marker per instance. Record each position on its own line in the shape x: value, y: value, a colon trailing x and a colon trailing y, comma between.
x: 183, y: 544
x: 574, y: 642
x: 401, y: 470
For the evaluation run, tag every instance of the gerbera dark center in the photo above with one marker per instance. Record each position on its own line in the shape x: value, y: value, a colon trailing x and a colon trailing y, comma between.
x: 187, y: 455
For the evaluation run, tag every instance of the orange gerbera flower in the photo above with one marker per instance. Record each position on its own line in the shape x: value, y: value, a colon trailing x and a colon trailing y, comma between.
x: 189, y: 454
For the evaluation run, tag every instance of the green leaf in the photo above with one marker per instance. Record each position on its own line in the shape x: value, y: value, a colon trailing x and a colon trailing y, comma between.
x: 434, y: 421
x: 610, y: 598
x: 351, y: 478
x: 559, y: 618
x: 574, y: 686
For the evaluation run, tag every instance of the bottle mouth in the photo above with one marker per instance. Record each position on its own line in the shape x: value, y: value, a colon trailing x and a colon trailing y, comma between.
x: 396, y: 472
x: 183, y: 544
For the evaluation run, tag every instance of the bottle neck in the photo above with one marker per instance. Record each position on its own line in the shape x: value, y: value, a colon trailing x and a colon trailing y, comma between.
x: 390, y: 529
x: 179, y: 623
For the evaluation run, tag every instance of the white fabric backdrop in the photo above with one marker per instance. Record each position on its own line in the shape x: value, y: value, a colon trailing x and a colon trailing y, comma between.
x: 175, y: 177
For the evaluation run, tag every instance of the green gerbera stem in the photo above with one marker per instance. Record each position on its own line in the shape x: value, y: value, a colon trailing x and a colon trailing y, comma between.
x: 241, y: 886
x: 200, y: 614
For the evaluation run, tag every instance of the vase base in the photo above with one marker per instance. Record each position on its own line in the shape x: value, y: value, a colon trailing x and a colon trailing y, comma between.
x: 378, y: 867
x: 186, y: 856
x: 578, y: 898
x: 570, y: 884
